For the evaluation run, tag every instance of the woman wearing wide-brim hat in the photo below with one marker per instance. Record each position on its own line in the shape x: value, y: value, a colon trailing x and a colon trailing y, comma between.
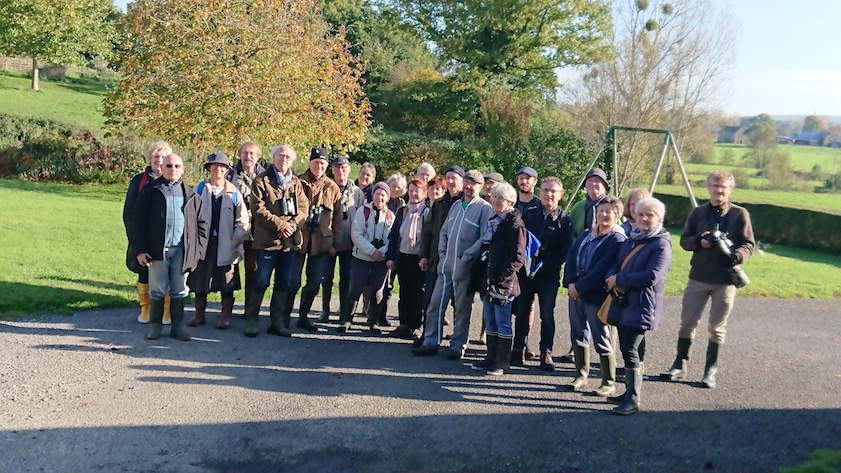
x: 225, y: 209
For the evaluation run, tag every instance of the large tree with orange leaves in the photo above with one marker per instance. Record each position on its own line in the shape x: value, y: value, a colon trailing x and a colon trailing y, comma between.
x: 210, y: 73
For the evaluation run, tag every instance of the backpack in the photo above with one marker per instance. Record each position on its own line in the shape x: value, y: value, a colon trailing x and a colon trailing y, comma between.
x: 533, y: 262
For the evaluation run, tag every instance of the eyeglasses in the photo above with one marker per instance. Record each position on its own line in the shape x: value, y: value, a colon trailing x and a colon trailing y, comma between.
x: 176, y: 166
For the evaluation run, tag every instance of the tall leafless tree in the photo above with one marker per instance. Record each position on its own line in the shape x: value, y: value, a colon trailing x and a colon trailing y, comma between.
x: 670, y: 66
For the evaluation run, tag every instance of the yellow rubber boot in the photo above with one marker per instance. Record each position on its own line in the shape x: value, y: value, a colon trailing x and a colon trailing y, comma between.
x: 167, y: 316
x: 143, y: 297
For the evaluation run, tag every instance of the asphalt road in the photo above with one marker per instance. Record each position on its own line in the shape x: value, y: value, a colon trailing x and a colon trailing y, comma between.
x: 89, y: 393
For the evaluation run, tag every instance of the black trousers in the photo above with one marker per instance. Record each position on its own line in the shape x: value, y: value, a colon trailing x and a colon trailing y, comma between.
x: 412, y: 279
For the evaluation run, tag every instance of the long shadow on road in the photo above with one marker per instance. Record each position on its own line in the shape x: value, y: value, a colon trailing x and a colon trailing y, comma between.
x: 729, y: 441
x: 361, y: 403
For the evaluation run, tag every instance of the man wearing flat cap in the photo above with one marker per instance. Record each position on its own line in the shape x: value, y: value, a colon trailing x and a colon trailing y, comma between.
x: 321, y: 235
x: 583, y: 213
x: 491, y: 179
x: 352, y: 198
x: 459, y: 248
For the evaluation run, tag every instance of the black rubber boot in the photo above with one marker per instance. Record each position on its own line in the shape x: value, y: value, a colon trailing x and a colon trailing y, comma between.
x: 374, y: 313
x: 156, y: 316
x: 710, y: 369
x: 503, y: 356
x: 490, y: 356
x: 582, y: 367
x: 176, y: 310
x: 678, y: 369
x: 633, y: 384
x: 307, y: 298
x: 326, y: 295
x: 277, y: 312
x: 382, y: 319
x: 253, y: 301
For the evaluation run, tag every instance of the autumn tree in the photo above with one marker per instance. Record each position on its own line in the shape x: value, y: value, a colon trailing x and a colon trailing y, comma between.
x: 762, y: 133
x: 816, y: 123
x: 67, y: 32
x: 669, y: 63
x: 524, y: 41
x: 210, y: 73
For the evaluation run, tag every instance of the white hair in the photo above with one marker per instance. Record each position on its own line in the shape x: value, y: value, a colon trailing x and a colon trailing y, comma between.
x: 426, y: 167
x: 653, y: 204
x: 506, y: 191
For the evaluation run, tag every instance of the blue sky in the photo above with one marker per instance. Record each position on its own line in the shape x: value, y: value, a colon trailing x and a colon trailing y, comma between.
x: 788, y: 58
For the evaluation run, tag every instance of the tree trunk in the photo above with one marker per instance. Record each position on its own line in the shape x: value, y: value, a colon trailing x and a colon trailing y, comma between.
x: 35, y: 74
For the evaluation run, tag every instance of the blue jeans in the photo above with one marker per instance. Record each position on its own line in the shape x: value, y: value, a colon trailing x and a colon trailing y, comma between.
x: 497, y: 319
x: 281, y: 262
x: 167, y: 274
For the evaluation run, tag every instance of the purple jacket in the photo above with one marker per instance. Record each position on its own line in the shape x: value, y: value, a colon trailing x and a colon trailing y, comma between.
x: 644, y: 281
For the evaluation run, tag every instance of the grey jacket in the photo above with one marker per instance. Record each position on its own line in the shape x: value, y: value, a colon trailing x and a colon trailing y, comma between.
x: 461, y: 237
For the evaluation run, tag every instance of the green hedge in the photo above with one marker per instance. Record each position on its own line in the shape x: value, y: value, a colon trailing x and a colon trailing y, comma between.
x: 49, y: 150
x: 806, y: 229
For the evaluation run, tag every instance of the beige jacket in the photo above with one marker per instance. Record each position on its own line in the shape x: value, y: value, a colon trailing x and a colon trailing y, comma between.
x: 233, y: 222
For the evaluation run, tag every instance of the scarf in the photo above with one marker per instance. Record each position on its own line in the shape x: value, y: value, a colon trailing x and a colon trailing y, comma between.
x: 415, y: 211
x: 639, y: 235
x: 493, y: 225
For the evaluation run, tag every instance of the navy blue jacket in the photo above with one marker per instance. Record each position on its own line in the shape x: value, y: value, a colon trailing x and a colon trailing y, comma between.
x: 643, y: 280
x: 556, y: 238
x: 590, y: 284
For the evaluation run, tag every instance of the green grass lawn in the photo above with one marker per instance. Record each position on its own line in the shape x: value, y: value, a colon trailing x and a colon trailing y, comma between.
x: 73, y: 100
x: 828, y: 203
x: 64, y: 250
x: 803, y: 158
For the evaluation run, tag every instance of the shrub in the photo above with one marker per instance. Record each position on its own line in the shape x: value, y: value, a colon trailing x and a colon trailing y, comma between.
x: 48, y: 150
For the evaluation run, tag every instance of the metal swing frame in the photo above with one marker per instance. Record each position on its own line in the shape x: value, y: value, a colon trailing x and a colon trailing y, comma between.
x: 668, y: 143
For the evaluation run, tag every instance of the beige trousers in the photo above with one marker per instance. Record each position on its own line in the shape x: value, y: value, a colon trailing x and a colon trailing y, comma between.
x: 695, y: 298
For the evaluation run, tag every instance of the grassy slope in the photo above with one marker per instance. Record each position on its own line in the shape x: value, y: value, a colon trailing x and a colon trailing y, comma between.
x: 64, y: 250
x: 803, y: 158
x: 77, y: 101
x: 828, y: 203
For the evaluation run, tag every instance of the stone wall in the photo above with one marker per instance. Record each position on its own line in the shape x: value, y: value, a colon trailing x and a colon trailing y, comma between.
x: 24, y: 65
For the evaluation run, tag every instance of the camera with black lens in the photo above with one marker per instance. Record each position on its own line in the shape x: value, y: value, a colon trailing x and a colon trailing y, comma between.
x: 288, y: 206
x: 737, y: 275
x: 378, y: 243
x: 314, y: 218
x: 344, y: 209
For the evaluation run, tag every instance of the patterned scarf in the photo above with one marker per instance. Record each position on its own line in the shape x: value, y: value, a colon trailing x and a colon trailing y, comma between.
x: 639, y: 235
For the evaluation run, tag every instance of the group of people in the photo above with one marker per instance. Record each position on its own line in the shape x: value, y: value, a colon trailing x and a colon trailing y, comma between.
x: 444, y: 239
